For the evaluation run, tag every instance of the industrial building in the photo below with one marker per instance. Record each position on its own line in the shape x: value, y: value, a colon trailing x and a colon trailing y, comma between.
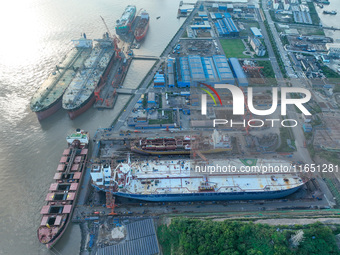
x: 256, y: 32
x: 257, y: 46
x: 333, y: 49
x: 159, y: 80
x: 275, y: 4
x: 171, y: 74
x: 286, y: 5
x: 302, y: 17
x: 238, y: 72
x: 194, y: 68
x: 226, y: 27
x: 223, y: 69
x: 151, y: 98
x: 203, y: 25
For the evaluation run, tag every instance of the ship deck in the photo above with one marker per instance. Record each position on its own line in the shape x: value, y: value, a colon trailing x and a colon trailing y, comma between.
x: 86, y: 79
x: 164, y: 177
x: 55, y: 85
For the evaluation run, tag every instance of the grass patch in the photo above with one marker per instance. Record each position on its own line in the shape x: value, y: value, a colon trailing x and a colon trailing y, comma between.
x: 194, y: 236
x: 313, y: 13
x: 168, y: 120
x: 331, y: 157
x: 285, y: 134
x: 332, y: 187
x: 233, y: 48
x: 329, y: 73
x: 267, y: 71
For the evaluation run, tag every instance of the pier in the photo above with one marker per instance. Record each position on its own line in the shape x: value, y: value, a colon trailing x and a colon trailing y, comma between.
x: 126, y: 91
x: 144, y: 57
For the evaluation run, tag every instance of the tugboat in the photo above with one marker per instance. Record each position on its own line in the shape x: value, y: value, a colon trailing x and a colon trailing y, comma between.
x: 330, y: 12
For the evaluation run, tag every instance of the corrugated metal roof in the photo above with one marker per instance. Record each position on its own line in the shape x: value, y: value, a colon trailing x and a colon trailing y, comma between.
x: 184, y: 65
x: 223, y: 69
x: 196, y: 68
x: 209, y: 70
x: 239, y: 73
x: 256, y: 31
x: 141, y: 240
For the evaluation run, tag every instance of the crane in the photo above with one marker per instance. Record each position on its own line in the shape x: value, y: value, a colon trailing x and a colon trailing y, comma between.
x: 110, y: 199
x: 114, y: 39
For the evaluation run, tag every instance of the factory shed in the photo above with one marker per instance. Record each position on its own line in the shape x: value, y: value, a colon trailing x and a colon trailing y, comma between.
x: 171, y: 74
x: 256, y: 32
x: 223, y: 69
x: 183, y: 72
x: 196, y: 68
x: 238, y: 72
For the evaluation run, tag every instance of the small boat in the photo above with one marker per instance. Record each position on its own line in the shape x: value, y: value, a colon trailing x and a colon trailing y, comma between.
x: 330, y: 12
x: 158, y: 17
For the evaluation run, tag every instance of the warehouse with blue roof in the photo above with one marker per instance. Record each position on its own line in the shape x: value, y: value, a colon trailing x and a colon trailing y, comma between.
x: 223, y: 69
x: 225, y: 25
x: 183, y: 72
x: 194, y: 68
x: 238, y: 72
x: 171, y: 74
x: 159, y: 80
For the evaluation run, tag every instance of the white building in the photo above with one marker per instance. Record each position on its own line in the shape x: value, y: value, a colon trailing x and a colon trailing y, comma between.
x: 101, y: 174
x: 286, y: 5
x: 333, y: 49
x: 257, y: 46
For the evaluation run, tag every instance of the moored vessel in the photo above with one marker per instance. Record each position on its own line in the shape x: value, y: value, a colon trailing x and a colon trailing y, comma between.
x: 190, y: 180
x: 63, y: 192
x: 123, y: 24
x: 47, y: 99
x: 215, y: 143
x: 142, y: 26
x: 79, y: 96
x: 330, y: 12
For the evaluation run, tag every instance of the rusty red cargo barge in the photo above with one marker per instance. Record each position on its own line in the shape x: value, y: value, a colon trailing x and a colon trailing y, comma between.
x: 62, y: 195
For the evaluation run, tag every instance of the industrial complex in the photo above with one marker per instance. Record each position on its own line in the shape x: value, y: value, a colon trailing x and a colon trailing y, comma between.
x: 164, y: 155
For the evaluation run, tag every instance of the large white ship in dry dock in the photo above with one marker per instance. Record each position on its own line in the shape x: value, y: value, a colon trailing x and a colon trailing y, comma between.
x: 177, y: 180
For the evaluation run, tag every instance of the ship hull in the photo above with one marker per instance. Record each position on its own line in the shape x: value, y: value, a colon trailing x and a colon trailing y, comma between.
x: 140, y: 35
x: 209, y: 196
x: 87, y: 105
x: 90, y: 101
x: 174, y: 152
x: 50, y: 111
x: 58, y: 234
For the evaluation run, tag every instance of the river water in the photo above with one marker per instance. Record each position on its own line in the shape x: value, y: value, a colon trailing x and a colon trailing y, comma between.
x: 35, y: 35
x: 331, y: 20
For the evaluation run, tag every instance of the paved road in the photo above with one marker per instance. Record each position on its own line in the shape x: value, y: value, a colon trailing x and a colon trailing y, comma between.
x: 270, y: 50
x: 283, y: 53
x: 143, y: 88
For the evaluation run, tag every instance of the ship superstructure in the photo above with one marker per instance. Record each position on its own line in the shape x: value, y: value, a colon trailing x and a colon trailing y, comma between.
x: 62, y: 195
x: 47, y: 99
x: 187, y: 180
x: 79, y: 96
x: 123, y: 24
